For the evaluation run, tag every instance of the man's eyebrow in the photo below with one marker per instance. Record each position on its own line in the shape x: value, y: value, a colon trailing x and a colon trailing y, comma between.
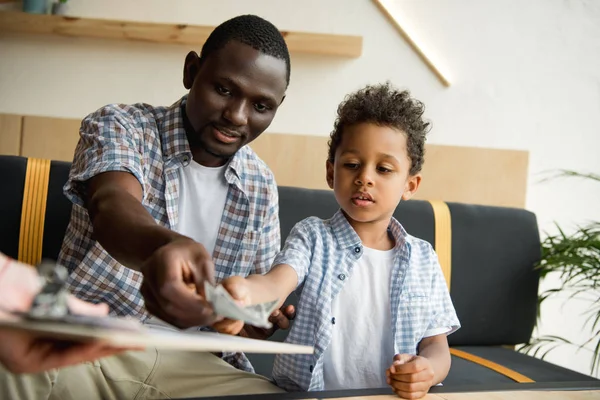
x: 259, y: 96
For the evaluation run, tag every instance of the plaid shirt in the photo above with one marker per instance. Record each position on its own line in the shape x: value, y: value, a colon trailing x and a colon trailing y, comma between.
x: 151, y: 144
x: 323, y: 253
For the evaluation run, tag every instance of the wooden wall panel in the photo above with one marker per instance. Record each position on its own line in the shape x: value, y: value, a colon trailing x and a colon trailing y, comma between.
x: 51, y: 138
x: 475, y: 175
x: 296, y: 160
x: 451, y: 173
x: 10, y: 134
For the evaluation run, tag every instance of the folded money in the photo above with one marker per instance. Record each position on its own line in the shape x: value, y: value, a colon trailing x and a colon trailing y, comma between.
x: 225, y: 306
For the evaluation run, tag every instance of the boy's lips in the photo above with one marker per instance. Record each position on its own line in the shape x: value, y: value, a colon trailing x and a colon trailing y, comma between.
x: 362, y: 199
x: 362, y: 196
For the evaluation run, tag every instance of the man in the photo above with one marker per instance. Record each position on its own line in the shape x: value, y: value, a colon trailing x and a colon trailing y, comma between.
x: 166, y: 198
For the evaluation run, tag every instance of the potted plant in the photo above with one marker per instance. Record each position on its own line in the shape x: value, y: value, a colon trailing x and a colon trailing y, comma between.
x: 576, y: 257
x: 59, y: 7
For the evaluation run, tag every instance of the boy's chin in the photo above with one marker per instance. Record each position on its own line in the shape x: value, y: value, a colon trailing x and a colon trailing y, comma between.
x: 364, y: 215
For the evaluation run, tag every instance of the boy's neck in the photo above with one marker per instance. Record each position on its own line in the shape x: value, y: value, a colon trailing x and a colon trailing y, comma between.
x: 373, y: 234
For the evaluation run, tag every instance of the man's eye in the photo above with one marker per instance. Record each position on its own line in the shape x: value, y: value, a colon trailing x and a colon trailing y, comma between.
x: 223, y: 91
x: 260, y: 107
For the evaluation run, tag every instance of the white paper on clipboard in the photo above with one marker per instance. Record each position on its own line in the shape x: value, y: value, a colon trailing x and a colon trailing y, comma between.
x: 159, y: 338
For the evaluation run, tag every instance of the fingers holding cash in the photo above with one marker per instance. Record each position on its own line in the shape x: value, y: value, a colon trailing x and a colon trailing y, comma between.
x: 231, y: 300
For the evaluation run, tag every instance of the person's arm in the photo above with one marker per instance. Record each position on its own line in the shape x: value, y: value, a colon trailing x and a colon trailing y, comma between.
x: 290, y: 269
x: 411, y: 376
x: 122, y: 225
x: 436, y: 350
x: 28, y: 352
x: 107, y: 179
x: 277, y: 284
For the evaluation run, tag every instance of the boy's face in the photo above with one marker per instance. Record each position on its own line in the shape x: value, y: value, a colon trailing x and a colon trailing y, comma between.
x: 370, y: 173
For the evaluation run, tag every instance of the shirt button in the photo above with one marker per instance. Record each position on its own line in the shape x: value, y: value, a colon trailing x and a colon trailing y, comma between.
x: 311, y: 368
x: 333, y: 320
x: 342, y: 277
x: 357, y: 250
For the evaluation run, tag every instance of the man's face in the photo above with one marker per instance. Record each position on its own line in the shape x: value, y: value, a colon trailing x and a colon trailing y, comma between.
x: 234, y: 95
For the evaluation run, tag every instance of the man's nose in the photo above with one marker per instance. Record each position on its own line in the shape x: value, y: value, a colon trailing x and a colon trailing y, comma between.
x: 236, y: 113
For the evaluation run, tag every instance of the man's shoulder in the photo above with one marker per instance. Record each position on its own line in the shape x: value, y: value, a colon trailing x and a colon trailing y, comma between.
x: 254, y: 166
x: 127, y: 114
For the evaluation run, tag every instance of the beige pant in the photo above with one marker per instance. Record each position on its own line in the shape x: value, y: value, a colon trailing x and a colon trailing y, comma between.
x: 149, y: 374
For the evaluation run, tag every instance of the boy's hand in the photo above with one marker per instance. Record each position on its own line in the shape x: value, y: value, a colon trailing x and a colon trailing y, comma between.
x: 238, y: 289
x: 279, y: 318
x: 410, y: 376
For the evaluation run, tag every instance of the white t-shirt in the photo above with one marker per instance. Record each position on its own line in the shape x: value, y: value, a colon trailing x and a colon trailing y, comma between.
x: 202, y: 196
x: 362, y: 346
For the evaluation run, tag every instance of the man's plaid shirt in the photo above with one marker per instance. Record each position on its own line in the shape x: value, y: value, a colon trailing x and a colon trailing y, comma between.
x: 150, y: 143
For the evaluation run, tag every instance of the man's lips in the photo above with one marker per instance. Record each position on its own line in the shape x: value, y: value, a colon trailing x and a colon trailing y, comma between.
x: 225, y: 135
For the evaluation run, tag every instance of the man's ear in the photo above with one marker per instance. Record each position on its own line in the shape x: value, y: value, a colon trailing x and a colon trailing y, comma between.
x: 412, y: 184
x: 191, y: 67
x: 329, y: 176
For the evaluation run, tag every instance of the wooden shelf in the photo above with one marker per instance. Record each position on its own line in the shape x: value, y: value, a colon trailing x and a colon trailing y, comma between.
x: 193, y: 35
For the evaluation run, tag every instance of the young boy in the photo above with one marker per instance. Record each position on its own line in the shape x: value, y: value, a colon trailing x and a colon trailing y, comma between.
x: 373, y: 303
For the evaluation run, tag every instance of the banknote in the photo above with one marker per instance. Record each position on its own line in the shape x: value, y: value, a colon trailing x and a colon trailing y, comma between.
x: 225, y: 306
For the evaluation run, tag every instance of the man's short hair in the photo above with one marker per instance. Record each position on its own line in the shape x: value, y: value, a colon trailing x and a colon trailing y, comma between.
x: 253, y: 31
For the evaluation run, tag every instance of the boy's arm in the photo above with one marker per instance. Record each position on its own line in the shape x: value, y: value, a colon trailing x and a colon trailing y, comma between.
x: 411, y: 376
x: 278, y: 283
x: 436, y: 350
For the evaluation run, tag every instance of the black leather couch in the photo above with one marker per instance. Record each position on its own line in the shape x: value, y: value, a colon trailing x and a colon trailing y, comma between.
x: 493, y: 283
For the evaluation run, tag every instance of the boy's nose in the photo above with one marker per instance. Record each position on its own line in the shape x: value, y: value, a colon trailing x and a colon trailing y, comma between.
x: 363, y: 180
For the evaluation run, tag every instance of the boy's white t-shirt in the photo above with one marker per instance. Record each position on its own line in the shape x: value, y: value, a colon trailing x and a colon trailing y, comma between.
x: 202, y: 196
x: 362, y: 346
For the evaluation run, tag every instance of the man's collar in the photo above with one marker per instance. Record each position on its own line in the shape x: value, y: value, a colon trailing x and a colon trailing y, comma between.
x: 172, y: 134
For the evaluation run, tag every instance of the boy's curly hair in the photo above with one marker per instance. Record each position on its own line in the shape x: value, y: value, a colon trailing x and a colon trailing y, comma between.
x: 385, y: 106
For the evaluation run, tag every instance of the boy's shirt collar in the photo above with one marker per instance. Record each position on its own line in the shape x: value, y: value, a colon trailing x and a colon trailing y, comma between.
x: 347, y: 237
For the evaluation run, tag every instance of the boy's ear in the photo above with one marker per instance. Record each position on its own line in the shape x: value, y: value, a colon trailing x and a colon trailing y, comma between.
x: 329, y: 177
x: 411, y: 186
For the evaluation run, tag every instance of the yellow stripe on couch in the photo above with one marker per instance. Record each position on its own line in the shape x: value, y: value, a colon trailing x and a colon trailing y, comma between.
x: 33, y: 214
x: 443, y: 248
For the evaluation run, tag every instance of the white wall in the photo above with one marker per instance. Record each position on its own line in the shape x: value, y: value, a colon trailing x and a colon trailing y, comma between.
x: 526, y: 75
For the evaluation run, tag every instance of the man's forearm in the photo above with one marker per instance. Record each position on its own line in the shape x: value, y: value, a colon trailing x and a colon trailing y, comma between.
x: 439, y: 357
x: 125, y: 228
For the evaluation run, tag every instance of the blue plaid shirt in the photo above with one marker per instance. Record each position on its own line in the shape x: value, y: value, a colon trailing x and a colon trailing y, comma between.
x: 150, y: 143
x: 323, y: 253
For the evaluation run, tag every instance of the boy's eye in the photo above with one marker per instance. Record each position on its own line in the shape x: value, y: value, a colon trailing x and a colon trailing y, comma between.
x: 223, y: 91
x: 384, y: 169
x: 351, y: 165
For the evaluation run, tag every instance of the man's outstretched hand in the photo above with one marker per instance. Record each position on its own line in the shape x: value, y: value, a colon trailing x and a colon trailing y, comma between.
x: 169, y: 274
